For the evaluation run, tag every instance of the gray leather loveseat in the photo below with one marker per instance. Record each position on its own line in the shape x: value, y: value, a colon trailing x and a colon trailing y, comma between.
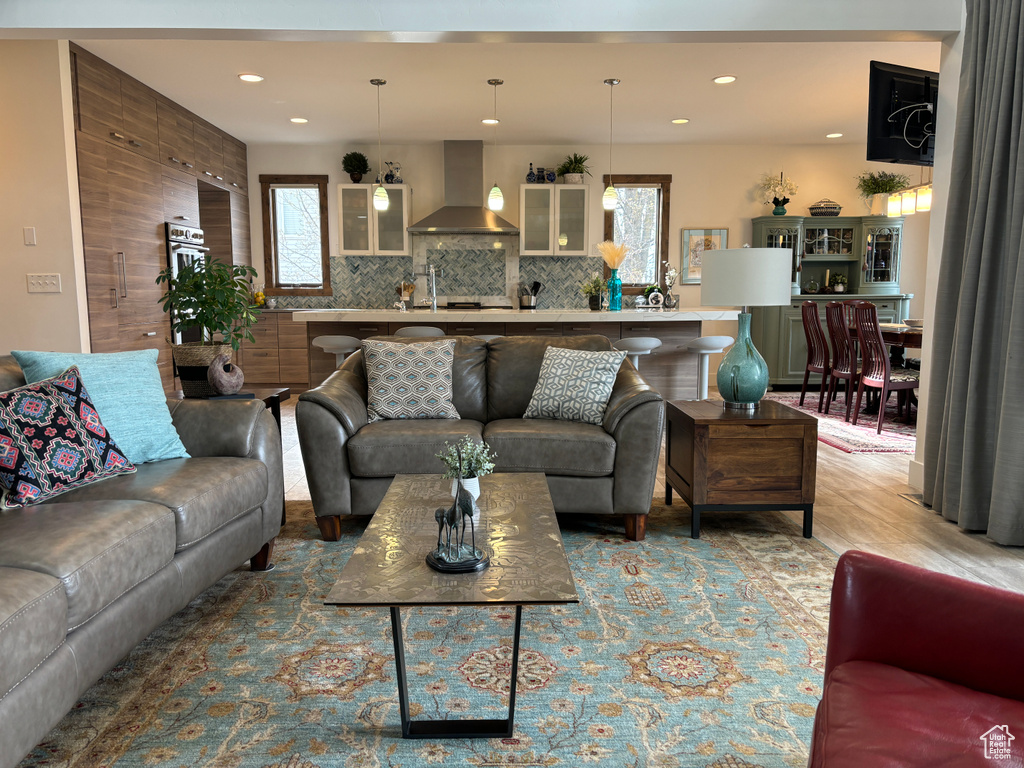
x: 85, y: 577
x: 607, y: 469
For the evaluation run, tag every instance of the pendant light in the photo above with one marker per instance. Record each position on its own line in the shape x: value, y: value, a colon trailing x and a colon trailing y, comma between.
x: 495, y: 200
x: 610, y: 198
x: 380, y: 195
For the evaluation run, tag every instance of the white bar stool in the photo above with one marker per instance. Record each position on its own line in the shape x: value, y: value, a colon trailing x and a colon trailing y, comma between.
x: 419, y: 330
x: 339, y: 346
x: 634, y: 347
x: 487, y: 336
x: 706, y: 346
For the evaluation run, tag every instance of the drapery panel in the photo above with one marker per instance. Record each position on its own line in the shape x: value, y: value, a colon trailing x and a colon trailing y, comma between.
x: 974, y: 442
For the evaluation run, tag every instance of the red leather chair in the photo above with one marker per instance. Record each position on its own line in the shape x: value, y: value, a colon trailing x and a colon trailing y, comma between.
x: 922, y: 669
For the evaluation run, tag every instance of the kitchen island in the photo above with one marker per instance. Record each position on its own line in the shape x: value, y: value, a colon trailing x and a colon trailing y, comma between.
x: 671, y: 369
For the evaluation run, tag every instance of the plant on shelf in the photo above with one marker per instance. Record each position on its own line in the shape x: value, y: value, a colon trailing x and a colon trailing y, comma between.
x: 573, y: 168
x: 355, y: 165
x: 776, y: 191
x: 477, y: 459
x: 593, y: 285
x: 838, y: 279
x: 881, y: 183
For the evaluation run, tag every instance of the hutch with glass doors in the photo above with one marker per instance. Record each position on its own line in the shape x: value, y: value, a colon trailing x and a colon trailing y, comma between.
x: 865, y: 250
x: 553, y: 219
x: 365, y: 230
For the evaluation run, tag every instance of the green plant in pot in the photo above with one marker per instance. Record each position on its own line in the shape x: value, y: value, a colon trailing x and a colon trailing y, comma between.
x: 592, y: 288
x: 876, y: 186
x: 573, y: 168
x: 838, y: 283
x: 355, y: 165
x: 216, y: 298
x: 477, y: 461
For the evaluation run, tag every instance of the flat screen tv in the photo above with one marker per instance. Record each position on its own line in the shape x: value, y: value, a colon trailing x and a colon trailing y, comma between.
x: 901, y: 114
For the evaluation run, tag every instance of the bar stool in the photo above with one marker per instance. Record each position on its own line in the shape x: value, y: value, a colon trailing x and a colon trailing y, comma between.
x: 419, y: 330
x: 339, y: 346
x: 487, y: 336
x: 634, y: 347
x: 706, y: 346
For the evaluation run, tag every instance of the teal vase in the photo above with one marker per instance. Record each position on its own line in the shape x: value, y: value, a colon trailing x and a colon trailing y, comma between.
x: 614, y: 292
x: 743, y: 374
x: 780, y: 210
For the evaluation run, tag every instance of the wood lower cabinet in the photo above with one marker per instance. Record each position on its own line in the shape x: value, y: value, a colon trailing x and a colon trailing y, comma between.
x: 671, y: 368
x: 279, y: 354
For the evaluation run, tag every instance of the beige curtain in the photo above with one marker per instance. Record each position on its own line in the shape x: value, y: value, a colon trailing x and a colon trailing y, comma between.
x: 974, y: 447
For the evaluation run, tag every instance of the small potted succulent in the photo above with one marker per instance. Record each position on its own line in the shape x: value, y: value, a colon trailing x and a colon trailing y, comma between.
x: 592, y: 288
x: 573, y: 168
x: 355, y: 165
x: 876, y: 186
x: 477, y: 460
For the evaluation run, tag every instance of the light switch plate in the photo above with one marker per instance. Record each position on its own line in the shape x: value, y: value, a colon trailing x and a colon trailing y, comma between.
x: 30, y: 235
x: 44, y: 283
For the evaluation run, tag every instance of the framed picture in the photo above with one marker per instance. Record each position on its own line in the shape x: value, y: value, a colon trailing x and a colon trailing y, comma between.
x: 694, y: 243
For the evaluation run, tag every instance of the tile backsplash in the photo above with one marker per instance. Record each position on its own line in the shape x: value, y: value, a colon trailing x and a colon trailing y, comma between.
x: 471, y: 268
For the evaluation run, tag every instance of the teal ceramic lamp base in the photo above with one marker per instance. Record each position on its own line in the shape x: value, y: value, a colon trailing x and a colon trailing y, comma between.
x: 743, y: 374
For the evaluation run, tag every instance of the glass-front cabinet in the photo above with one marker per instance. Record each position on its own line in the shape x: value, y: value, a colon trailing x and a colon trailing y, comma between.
x: 881, y: 269
x: 553, y: 219
x: 364, y: 229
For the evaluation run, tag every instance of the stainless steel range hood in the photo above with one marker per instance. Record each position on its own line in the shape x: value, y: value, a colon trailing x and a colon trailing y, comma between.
x: 463, y: 213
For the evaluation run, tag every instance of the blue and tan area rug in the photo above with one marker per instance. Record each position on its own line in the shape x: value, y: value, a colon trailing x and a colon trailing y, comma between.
x: 681, y: 653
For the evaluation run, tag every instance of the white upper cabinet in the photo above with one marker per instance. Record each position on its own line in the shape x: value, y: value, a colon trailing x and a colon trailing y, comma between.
x: 364, y: 229
x: 553, y: 219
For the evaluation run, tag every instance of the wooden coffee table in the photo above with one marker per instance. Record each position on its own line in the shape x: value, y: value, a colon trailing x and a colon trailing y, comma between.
x: 516, y: 526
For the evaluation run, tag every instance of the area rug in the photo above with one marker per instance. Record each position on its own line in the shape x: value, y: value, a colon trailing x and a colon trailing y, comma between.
x: 681, y: 653
x: 896, y: 437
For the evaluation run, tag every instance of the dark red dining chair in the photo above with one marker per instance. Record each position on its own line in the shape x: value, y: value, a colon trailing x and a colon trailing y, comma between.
x: 817, y: 350
x: 876, y: 371
x: 844, y: 353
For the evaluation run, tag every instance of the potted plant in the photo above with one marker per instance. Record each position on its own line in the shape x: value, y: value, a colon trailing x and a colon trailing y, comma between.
x: 355, y: 165
x: 876, y: 186
x: 776, y: 192
x: 215, y: 297
x: 573, y: 168
x: 477, y: 461
x: 838, y: 282
x: 592, y: 288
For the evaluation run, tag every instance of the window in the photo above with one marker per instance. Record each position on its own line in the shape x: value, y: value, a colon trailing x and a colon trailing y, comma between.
x: 296, y: 252
x: 641, y: 222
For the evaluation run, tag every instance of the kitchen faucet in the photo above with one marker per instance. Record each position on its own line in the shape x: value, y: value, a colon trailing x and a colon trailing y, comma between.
x: 432, y: 298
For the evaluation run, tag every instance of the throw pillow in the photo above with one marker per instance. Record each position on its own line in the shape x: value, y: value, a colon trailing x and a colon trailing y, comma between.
x: 52, y: 440
x: 574, y: 385
x: 128, y: 394
x: 409, y: 381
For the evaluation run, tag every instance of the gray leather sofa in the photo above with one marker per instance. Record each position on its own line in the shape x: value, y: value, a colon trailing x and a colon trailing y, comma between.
x: 85, y: 577
x: 590, y: 469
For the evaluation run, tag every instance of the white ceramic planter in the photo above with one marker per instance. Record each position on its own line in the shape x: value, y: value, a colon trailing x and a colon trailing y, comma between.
x: 471, y: 484
x: 573, y: 178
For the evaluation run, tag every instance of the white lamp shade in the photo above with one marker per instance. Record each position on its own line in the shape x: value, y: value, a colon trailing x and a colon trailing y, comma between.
x: 747, y: 277
x: 610, y: 198
x: 380, y: 199
x: 495, y: 199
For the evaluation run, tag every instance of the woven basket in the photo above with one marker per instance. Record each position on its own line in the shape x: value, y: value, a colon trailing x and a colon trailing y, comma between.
x: 825, y: 207
x: 192, y: 360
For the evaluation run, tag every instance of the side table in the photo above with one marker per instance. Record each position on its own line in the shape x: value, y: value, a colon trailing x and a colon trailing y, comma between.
x: 718, y: 459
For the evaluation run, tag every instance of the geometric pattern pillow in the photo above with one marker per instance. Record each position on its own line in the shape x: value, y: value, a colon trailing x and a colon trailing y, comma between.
x: 52, y: 440
x: 574, y: 385
x: 409, y: 381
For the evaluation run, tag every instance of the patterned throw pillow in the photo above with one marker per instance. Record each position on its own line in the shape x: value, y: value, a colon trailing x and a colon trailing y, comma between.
x: 574, y: 385
x: 52, y: 440
x: 409, y: 381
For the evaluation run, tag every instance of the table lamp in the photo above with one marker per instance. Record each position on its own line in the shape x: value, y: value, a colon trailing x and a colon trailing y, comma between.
x: 745, y: 277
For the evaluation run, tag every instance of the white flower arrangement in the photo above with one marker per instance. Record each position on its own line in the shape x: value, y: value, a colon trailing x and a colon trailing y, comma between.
x: 671, y: 273
x: 776, y: 191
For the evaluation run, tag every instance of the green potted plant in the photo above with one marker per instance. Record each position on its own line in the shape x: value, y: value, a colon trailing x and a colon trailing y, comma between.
x: 838, y: 282
x: 217, y: 298
x: 355, y: 165
x: 592, y: 288
x: 876, y: 186
x: 573, y: 168
x: 477, y: 461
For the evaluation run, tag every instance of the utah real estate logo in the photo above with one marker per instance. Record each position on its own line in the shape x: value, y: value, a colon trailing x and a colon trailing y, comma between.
x: 997, y: 742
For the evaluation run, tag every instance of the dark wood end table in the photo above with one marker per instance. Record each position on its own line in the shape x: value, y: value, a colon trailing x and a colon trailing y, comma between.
x: 761, y: 460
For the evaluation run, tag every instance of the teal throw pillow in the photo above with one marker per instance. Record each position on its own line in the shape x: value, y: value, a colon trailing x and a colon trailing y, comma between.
x: 128, y: 395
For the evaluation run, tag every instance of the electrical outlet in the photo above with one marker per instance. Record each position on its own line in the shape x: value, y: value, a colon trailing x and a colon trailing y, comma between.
x: 48, y: 283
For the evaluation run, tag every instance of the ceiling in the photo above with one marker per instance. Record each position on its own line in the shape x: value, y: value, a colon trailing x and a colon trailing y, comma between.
x: 786, y: 93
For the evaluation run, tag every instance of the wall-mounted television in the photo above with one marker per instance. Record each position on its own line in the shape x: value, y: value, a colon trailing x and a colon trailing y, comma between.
x: 901, y: 114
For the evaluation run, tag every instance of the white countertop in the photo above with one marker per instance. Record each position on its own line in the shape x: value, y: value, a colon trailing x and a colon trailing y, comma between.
x: 513, y: 315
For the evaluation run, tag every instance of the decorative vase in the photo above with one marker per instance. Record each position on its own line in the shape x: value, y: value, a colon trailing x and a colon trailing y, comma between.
x: 471, y: 484
x: 779, y: 210
x: 743, y: 374
x: 356, y: 177
x: 594, y: 300
x: 389, y: 177
x: 398, y: 173
x: 573, y: 178
x: 225, y: 377
x: 531, y: 177
x: 670, y: 300
x: 192, y: 359
x: 550, y: 177
x: 879, y: 204
x: 541, y: 175
x: 614, y: 292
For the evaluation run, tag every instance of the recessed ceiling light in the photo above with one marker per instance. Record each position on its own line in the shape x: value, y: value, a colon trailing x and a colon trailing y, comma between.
x: 490, y: 121
x: 723, y: 79
x: 250, y: 77
x: 299, y: 120
x: 681, y: 121
x: 833, y: 135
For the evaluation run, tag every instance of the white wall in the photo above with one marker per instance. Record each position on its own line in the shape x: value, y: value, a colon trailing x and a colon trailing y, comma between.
x: 39, y: 188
